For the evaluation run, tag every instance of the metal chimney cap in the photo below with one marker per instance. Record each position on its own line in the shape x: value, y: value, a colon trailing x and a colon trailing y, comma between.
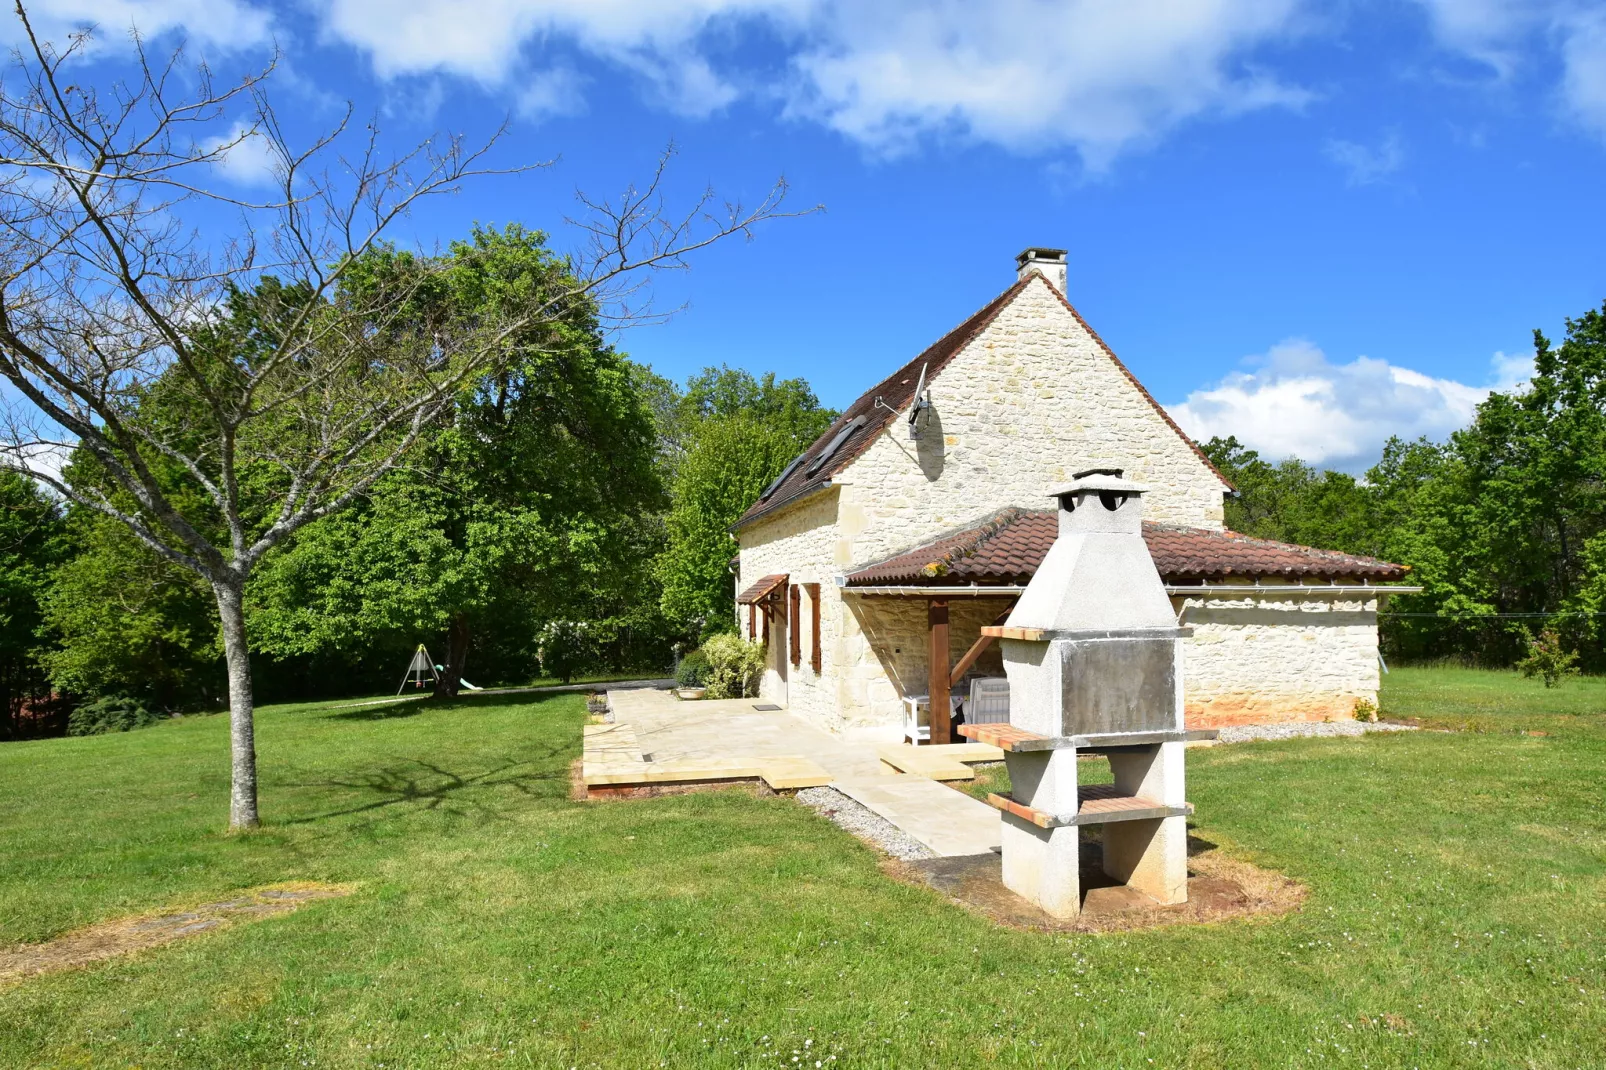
x: 1099, y: 479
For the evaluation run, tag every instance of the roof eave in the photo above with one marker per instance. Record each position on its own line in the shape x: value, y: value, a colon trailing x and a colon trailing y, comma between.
x: 770, y: 510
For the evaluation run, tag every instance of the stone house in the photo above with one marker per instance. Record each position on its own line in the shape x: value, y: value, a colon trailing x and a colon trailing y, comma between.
x: 872, y: 563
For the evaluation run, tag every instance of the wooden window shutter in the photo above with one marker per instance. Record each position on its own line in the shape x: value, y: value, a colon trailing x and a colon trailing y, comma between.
x: 794, y: 629
x: 814, y: 629
x: 752, y: 622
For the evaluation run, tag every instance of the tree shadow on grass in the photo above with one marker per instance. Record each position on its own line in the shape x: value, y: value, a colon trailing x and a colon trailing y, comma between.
x: 416, y: 784
x: 386, y: 711
x: 471, y: 701
x: 412, y: 706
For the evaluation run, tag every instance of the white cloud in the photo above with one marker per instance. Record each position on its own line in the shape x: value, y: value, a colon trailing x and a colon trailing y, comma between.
x: 1027, y: 74
x: 1509, y: 34
x: 248, y: 160
x: 1297, y: 403
x: 1367, y: 165
x: 222, y: 24
x: 1584, y: 70
x: 488, y: 43
x: 554, y: 92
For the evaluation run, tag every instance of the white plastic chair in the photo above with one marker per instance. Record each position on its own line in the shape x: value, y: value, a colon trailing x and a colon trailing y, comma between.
x: 917, y: 719
x: 989, y: 701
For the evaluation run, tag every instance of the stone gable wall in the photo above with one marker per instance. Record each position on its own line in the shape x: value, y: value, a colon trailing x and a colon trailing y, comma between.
x: 1031, y: 400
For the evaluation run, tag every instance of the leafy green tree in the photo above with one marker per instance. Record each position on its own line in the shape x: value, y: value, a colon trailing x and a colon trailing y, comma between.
x: 534, y: 504
x: 786, y: 405
x: 725, y: 437
x: 32, y: 543
x: 1293, y: 502
x: 730, y: 461
x: 125, y: 621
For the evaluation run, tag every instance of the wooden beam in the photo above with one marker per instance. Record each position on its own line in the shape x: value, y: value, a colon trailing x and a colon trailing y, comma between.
x: 1035, y: 635
x: 794, y: 624
x: 814, y: 630
x: 976, y: 649
x: 941, y: 713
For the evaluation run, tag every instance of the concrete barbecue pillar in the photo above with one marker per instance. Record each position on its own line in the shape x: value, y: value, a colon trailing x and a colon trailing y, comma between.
x: 1152, y: 855
x: 1043, y: 865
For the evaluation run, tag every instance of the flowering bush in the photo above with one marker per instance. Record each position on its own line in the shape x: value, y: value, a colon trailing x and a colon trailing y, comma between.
x: 563, y: 646
x: 735, y: 666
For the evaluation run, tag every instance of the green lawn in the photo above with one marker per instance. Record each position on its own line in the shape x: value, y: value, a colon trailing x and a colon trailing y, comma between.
x: 1455, y: 915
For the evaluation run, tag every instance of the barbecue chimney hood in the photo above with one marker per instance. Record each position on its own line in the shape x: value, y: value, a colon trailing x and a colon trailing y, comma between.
x: 1103, y: 657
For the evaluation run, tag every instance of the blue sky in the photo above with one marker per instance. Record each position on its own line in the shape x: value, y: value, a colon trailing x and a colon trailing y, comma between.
x: 1312, y: 225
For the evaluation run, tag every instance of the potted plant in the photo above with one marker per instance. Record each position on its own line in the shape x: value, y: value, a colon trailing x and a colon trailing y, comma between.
x: 691, y: 676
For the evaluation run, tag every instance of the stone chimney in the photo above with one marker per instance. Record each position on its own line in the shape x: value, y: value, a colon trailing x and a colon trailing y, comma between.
x: 1050, y: 263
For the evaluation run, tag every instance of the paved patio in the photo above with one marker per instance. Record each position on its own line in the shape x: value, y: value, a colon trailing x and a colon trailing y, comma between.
x: 728, y: 732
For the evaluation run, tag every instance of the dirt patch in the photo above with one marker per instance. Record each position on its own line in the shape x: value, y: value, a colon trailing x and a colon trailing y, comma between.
x: 126, y: 935
x: 1219, y: 888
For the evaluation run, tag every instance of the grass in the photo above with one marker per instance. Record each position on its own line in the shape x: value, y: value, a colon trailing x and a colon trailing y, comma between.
x: 1454, y: 917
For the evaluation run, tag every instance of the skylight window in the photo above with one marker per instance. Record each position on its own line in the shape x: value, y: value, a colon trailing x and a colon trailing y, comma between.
x: 788, y: 470
x: 835, y: 444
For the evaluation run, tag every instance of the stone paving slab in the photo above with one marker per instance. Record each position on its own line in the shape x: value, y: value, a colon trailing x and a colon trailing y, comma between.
x: 670, y: 730
x: 945, y: 820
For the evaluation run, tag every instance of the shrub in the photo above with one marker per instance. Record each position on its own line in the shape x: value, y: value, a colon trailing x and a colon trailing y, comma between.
x: 563, y: 646
x: 735, y: 666
x: 113, y: 713
x: 692, y: 670
x: 1548, y: 659
x: 1365, y: 710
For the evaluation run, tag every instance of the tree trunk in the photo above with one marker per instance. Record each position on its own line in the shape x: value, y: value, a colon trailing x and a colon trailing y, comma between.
x: 242, y: 728
x: 457, y: 636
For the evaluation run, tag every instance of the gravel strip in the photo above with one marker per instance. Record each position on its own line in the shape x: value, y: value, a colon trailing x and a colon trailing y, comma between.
x: 864, y: 823
x: 1247, y: 732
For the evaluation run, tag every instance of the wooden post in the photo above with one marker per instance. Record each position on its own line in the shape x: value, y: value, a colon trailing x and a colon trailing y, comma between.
x: 941, y: 714
x: 794, y: 624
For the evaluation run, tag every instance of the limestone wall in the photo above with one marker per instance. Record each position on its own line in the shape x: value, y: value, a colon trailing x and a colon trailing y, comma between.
x: 800, y: 541
x: 1031, y: 400
x: 1259, y: 658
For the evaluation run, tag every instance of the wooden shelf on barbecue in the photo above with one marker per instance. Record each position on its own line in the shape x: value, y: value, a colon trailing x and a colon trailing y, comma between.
x: 1098, y: 804
x: 1006, y: 737
x: 1009, y: 738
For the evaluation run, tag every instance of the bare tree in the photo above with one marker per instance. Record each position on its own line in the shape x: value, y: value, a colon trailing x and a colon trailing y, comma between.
x: 107, y: 297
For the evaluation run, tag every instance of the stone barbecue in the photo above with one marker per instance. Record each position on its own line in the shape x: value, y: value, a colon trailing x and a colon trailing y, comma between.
x: 1094, y: 659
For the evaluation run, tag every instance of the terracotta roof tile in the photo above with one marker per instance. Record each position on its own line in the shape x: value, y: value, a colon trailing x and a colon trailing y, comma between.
x: 1007, y: 547
x: 762, y: 587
